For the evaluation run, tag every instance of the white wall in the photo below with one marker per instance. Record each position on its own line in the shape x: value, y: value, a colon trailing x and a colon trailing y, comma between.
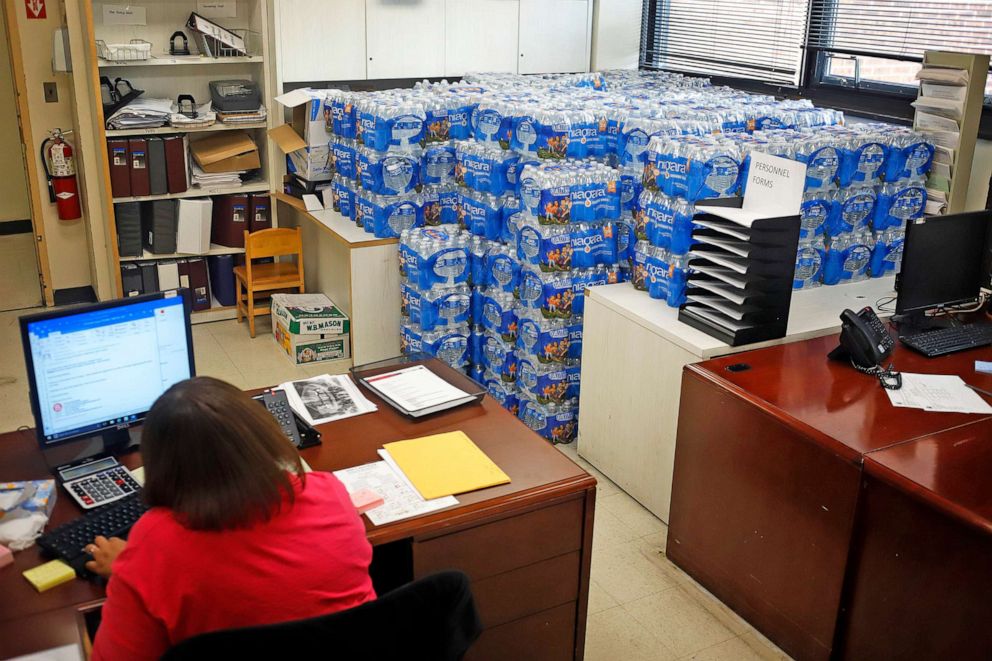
x: 981, y: 171
x: 616, y: 34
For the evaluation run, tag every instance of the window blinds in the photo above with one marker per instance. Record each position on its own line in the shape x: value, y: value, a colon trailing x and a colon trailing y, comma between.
x: 756, y: 39
x: 900, y: 29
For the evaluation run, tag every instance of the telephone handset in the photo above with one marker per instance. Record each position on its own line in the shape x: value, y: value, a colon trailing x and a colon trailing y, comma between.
x: 866, y: 342
x: 297, y: 430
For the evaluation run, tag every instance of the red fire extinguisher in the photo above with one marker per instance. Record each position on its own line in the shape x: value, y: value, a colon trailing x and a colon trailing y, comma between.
x: 56, y: 156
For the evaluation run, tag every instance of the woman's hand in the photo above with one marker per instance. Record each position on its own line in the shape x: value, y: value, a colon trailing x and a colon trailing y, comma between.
x: 104, y: 552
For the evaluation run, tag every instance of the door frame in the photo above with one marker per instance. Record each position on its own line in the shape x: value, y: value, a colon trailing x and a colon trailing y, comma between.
x: 27, y: 151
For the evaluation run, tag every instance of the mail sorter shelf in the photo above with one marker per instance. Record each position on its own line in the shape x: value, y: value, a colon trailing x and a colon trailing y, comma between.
x: 740, y: 284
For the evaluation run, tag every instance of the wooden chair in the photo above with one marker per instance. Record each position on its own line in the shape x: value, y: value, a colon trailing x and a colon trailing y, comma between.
x: 267, y: 279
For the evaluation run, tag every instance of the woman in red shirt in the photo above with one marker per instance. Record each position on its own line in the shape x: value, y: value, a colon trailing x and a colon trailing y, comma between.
x: 237, y: 534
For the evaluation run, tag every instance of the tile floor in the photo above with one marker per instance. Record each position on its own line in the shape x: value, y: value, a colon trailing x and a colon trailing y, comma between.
x: 641, y: 606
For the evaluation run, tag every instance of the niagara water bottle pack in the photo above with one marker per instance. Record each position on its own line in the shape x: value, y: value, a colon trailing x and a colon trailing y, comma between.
x: 387, y: 216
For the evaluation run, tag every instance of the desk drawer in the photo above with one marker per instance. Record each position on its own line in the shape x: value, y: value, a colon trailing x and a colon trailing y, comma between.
x: 545, y: 636
x: 528, y: 590
x: 503, y: 545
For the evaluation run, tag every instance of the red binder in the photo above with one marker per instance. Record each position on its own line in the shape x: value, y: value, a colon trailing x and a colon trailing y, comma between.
x: 230, y: 220
x: 259, y: 215
x: 137, y: 163
x: 175, y: 163
x: 120, y: 176
x: 193, y: 274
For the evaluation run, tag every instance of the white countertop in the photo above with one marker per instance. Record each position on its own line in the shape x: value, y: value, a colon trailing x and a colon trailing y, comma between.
x: 346, y: 229
x: 813, y: 313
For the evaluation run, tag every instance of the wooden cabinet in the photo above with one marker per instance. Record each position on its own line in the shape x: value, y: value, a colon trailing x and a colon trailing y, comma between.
x: 481, y: 35
x: 554, y: 36
x: 317, y: 45
x: 405, y: 38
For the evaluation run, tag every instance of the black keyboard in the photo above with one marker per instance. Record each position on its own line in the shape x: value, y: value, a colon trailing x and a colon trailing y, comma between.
x: 68, y: 541
x: 949, y: 340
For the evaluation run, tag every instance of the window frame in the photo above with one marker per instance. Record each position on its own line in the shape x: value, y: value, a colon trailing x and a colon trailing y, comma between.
x: 888, y: 102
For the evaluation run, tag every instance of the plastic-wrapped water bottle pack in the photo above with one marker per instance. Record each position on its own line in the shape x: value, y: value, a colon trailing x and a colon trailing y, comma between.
x: 526, y: 190
x: 570, y: 191
x: 660, y: 273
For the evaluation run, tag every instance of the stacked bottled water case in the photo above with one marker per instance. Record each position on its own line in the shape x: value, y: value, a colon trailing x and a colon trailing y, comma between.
x: 512, y: 194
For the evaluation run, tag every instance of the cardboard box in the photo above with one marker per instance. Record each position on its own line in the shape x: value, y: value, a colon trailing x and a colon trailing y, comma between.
x: 306, y: 139
x: 309, y: 314
x: 311, y: 348
x: 193, y: 219
x: 227, y: 151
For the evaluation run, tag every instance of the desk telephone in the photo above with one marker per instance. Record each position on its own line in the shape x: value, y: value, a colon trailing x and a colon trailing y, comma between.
x: 299, y: 432
x: 866, y: 343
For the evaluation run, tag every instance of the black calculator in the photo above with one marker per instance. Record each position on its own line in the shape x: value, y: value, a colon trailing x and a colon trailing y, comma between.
x: 98, y: 482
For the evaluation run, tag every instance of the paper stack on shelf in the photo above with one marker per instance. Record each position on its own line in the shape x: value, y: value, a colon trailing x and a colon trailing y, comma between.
x: 248, y: 117
x: 205, y: 116
x: 142, y: 113
x: 940, y: 108
x: 200, y: 178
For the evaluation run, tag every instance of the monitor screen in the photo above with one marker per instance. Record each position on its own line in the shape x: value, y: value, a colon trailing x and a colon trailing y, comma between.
x: 102, y: 366
x: 942, y: 261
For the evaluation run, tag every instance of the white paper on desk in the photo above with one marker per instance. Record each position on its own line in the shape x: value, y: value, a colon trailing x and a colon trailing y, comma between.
x: 937, y: 392
x: 326, y: 398
x: 70, y: 652
x: 416, y: 388
x: 327, y: 198
x: 312, y: 202
x: 400, y: 499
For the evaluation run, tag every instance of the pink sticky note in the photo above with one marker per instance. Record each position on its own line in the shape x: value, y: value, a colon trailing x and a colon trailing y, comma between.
x: 365, y: 499
x: 6, y: 556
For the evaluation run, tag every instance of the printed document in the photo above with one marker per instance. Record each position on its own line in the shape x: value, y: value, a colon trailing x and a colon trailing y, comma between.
x: 326, y: 398
x: 400, y: 499
x: 417, y: 389
x: 938, y: 392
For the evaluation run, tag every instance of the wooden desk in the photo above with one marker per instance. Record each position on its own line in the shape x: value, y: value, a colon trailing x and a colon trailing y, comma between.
x: 921, y: 566
x: 526, y: 545
x: 768, y: 467
x: 635, y: 349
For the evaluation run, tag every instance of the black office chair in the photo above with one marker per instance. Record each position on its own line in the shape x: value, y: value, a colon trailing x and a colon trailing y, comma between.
x: 431, y: 618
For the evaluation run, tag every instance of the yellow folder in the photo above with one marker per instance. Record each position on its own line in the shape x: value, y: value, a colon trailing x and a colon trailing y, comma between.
x: 445, y: 464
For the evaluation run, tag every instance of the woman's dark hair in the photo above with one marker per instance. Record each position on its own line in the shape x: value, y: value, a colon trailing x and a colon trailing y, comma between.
x: 215, y: 457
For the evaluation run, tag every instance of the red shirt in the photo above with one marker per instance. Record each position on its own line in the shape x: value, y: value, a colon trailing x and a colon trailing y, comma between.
x: 171, y: 583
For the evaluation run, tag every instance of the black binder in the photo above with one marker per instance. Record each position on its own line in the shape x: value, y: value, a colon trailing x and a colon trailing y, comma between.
x: 158, y: 226
x: 149, y: 277
x: 740, y: 289
x: 131, y: 279
x: 157, y: 168
x: 128, y: 219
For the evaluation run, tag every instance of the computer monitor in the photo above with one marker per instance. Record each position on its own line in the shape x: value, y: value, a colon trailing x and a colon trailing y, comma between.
x: 95, y: 370
x: 942, y: 262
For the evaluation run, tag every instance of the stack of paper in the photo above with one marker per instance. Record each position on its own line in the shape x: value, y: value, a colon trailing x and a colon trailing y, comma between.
x: 417, y: 391
x: 201, y: 178
x: 205, y: 116
x: 326, y: 398
x: 939, y: 111
x: 249, y: 117
x: 142, y: 113
x: 400, y: 499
